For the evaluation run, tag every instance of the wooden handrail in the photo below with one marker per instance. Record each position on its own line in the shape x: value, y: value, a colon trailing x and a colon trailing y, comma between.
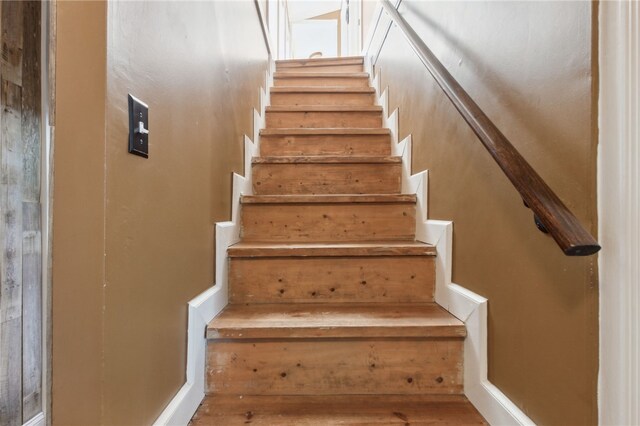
x: 550, y: 214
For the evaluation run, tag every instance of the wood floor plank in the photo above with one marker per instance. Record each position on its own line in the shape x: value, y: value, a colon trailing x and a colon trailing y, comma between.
x: 327, y: 178
x: 323, y: 117
x: 329, y: 198
x: 340, y: 366
x: 318, y: 68
x: 326, y: 98
x: 353, y: 410
x: 297, y: 79
x: 359, y: 279
x: 317, y: 61
x: 338, y: 320
x: 316, y: 249
x: 327, y: 222
x: 328, y: 159
x: 328, y: 131
x: 332, y: 319
x: 325, y: 142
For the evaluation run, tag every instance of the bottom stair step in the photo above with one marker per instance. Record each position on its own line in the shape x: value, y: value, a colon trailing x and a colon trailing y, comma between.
x: 337, y: 410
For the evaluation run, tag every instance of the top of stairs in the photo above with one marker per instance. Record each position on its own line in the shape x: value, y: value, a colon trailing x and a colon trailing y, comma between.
x: 320, y: 61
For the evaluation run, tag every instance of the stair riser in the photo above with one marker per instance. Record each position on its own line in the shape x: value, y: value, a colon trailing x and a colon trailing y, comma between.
x: 322, y: 119
x: 317, y: 367
x: 390, y: 279
x: 318, y: 61
x: 322, y: 81
x: 345, y: 99
x: 321, y: 68
x: 349, y: 145
x: 328, y: 222
x: 366, y: 178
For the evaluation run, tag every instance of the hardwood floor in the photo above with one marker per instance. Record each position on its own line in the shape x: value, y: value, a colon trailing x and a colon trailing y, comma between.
x: 337, y: 410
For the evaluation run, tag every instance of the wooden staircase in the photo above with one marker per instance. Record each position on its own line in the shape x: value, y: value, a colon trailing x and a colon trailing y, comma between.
x: 331, y: 316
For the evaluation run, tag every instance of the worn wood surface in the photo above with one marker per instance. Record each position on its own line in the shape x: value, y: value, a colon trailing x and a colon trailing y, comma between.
x: 311, y: 62
x: 359, y: 279
x: 340, y: 249
x: 330, y: 294
x: 325, y: 132
x: 340, y: 366
x: 353, y: 410
x: 322, y: 68
x: 324, y: 117
x: 336, y: 320
x: 327, y: 160
x: 327, y: 178
x: 284, y: 142
x: 325, y: 198
x: 320, y: 79
x: 321, y: 65
x: 20, y: 221
x: 328, y: 222
x: 357, y: 96
x: 321, y: 90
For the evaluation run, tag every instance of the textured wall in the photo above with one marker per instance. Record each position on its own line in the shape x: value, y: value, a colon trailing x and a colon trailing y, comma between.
x: 532, y: 67
x: 199, y: 67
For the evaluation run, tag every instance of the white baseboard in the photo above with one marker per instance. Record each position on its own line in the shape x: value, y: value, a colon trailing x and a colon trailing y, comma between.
x: 202, y: 309
x: 465, y: 305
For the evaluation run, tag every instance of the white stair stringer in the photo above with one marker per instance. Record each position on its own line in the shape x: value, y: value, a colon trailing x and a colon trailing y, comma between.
x: 211, y: 302
x: 464, y: 304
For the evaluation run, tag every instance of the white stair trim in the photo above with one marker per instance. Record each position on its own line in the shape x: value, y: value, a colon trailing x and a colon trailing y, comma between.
x: 211, y: 302
x: 464, y: 304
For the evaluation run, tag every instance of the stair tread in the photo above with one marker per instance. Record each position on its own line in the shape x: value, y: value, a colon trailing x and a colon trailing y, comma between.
x: 321, y: 89
x: 291, y: 131
x: 345, y: 320
x: 324, y: 108
x: 326, y: 198
x: 323, y: 159
x: 292, y: 74
x: 369, y: 248
x: 345, y: 410
x: 322, y: 61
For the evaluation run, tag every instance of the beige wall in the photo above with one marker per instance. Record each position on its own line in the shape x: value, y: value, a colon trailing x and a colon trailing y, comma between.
x: 78, y: 209
x: 134, y: 237
x: 530, y: 66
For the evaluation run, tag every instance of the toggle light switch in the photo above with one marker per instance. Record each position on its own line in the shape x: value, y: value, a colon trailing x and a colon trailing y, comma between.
x: 138, y: 127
